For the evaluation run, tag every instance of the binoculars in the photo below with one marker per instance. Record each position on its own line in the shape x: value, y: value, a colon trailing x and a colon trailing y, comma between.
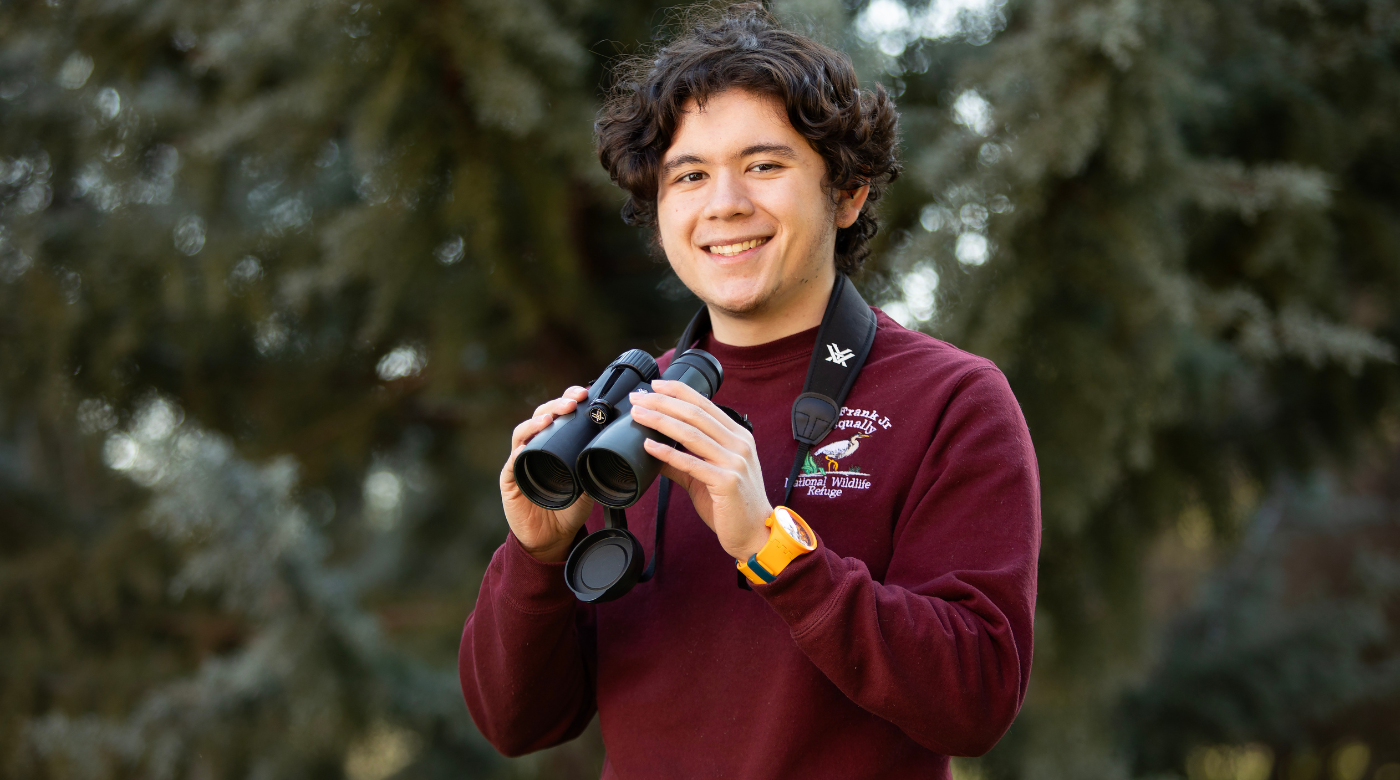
x: 598, y: 449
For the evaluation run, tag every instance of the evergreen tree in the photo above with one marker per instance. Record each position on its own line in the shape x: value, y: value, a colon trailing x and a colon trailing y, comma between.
x: 1174, y: 227
x: 1294, y: 645
x: 277, y: 279
x: 351, y: 234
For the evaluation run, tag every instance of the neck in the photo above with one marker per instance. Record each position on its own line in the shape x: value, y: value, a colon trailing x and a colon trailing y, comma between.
x: 802, y: 310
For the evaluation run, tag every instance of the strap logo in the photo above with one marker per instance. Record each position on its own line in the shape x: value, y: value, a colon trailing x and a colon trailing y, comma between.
x: 838, y: 356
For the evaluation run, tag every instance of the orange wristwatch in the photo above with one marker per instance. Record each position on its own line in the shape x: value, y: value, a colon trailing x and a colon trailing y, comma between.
x: 789, y: 538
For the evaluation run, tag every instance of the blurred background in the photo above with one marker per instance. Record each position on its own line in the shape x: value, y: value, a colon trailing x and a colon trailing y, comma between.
x: 277, y: 278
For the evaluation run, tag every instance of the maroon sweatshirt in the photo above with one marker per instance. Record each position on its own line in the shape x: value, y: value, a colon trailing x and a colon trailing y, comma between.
x: 903, y: 639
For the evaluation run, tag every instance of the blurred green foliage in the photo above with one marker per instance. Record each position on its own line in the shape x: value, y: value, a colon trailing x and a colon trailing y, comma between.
x: 277, y: 279
x: 1193, y: 290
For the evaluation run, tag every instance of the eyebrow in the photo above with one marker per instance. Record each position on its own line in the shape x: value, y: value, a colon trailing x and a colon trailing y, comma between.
x: 683, y: 160
x: 777, y: 150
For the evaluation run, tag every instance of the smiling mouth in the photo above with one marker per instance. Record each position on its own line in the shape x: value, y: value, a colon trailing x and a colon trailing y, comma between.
x: 729, y: 250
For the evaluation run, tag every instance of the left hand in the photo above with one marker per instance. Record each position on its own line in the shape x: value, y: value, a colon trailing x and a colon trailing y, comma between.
x: 720, y: 472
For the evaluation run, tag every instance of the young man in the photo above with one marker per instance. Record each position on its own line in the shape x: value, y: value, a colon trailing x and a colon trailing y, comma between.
x: 905, y: 635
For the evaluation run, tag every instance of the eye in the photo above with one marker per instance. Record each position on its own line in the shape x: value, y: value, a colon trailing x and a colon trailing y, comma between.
x: 690, y: 178
x: 765, y: 167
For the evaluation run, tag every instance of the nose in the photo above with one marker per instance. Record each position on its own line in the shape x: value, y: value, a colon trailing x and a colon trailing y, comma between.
x: 729, y: 197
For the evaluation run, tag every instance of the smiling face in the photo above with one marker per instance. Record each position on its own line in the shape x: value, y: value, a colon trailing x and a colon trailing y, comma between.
x: 746, y: 218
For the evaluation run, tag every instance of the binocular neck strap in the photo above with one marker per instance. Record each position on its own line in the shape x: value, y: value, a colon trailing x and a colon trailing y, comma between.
x: 616, y: 517
x: 843, y: 343
x: 696, y: 330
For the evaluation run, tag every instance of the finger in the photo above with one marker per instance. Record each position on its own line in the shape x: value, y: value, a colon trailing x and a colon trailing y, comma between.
x: 556, y: 407
x: 695, y: 440
x: 576, y: 393
x: 527, y: 430
x: 508, y: 471
x: 685, y: 392
x: 684, y: 466
x: 686, y: 409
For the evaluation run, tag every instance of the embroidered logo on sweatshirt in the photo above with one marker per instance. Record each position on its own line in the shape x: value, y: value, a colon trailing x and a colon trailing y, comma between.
x: 832, y: 468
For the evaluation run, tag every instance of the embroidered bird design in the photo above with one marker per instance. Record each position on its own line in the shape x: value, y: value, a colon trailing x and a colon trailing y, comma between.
x: 838, y: 450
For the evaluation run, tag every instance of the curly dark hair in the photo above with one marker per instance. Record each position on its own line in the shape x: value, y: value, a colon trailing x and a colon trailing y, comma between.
x: 743, y: 47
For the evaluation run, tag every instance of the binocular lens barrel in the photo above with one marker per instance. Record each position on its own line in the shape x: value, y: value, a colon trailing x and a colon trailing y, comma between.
x: 547, y: 481
x: 610, y: 480
x: 615, y: 469
x: 544, y: 470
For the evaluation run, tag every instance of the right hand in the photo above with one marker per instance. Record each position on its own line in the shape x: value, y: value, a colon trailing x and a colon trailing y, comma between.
x: 544, y: 533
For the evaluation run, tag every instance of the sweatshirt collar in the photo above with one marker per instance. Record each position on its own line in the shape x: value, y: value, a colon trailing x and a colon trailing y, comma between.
x: 797, y: 346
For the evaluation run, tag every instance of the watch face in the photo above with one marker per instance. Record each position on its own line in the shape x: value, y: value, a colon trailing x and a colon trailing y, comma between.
x: 793, y: 528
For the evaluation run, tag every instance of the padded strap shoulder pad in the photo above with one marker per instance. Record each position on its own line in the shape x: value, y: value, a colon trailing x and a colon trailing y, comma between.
x: 843, y: 343
x: 813, y: 416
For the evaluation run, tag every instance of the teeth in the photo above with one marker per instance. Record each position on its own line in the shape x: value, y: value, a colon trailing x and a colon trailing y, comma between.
x: 734, y: 249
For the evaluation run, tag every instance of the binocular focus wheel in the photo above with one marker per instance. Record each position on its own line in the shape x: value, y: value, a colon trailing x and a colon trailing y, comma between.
x: 604, y: 566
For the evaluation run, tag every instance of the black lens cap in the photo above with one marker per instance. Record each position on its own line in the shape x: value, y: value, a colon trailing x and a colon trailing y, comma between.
x: 604, y: 566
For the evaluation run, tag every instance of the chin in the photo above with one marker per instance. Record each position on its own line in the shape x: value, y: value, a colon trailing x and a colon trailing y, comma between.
x: 738, y: 289
x: 740, y: 299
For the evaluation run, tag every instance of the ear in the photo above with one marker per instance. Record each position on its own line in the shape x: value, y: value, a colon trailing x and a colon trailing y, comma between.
x: 849, y: 204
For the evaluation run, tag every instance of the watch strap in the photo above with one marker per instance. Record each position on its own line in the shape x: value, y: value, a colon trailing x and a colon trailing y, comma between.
x: 755, y: 571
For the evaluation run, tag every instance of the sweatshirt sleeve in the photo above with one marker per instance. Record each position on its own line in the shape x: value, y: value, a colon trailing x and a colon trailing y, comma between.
x: 942, y: 647
x: 527, y: 661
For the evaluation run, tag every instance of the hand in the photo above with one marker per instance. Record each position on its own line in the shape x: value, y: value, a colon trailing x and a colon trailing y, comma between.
x: 544, y: 533
x: 721, y: 470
